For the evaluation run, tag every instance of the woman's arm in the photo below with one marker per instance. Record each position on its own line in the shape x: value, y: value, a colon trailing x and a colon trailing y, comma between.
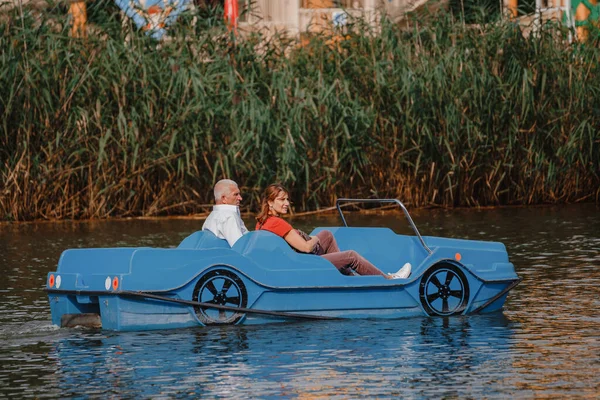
x: 296, y: 241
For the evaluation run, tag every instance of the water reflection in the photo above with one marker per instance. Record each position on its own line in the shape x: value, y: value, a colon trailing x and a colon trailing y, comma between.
x: 418, y: 356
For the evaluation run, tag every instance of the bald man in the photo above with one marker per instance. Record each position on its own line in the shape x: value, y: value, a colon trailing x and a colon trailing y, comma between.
x: 225, y: 220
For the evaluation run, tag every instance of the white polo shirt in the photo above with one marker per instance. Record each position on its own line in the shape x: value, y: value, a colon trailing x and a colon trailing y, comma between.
x: 226, y: 223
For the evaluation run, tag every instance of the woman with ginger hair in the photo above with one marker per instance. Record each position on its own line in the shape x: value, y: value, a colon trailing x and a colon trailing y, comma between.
x: 275, y: 202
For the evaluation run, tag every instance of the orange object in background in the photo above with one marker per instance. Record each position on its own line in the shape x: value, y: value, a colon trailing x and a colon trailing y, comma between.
x: 582, y: 14
x: 231, y: 13
x: 318, y: 4
x: 512, y: 6
x: 78, y: 12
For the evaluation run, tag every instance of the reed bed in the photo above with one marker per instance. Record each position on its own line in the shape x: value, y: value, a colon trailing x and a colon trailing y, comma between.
x: 441, y: 114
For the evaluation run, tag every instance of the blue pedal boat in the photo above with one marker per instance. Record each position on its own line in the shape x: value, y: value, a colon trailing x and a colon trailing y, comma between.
x: 262, y: 280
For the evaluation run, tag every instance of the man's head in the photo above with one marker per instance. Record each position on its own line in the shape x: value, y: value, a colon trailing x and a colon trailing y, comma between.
x: 227, y: 192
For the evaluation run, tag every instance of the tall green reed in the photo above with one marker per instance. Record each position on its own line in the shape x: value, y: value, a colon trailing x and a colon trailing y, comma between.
x: 441, y: 114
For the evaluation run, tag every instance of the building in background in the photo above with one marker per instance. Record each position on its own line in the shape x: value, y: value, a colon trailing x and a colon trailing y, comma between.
x: 298, y: 16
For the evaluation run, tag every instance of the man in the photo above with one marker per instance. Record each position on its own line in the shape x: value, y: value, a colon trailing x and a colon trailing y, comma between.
x: 224, y: 220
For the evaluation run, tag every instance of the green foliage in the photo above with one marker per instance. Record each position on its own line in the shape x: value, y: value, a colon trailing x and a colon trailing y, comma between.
x: 476, y: 11
x: 118, y: 124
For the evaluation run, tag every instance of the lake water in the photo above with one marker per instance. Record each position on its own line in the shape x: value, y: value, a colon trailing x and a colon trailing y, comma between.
x: 545, y: 343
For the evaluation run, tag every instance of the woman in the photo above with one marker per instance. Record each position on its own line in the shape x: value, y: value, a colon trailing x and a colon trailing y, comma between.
x: 275, y: 202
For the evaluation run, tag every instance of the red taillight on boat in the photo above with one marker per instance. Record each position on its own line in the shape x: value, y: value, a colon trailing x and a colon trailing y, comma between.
x: 51, y: 281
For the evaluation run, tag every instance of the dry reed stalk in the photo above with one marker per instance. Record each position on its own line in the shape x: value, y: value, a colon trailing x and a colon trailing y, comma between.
x: 439, y: 115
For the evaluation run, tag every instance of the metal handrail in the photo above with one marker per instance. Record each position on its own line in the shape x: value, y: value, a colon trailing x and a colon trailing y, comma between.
x: 412, y: 224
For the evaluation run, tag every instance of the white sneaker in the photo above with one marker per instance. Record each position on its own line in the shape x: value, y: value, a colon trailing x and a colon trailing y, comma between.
x: 403, y: 272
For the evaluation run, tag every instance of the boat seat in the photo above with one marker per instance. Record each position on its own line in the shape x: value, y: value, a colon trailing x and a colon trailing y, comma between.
x: 203, y: 240
x: 274, y: 253
x: 263, y: 240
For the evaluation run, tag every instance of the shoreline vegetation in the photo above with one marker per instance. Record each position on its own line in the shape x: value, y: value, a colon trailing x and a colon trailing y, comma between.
x: 441, y: 114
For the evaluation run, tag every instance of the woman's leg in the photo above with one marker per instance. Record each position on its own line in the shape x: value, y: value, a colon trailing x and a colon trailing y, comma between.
x: 354, y: 260
x: 327, y: 242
